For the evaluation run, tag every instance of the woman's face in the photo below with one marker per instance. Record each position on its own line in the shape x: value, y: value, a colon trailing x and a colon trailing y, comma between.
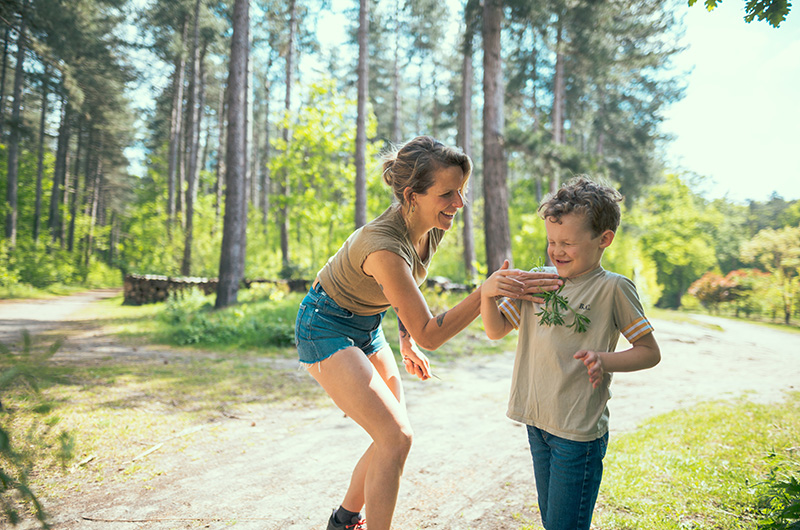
x: 438, y: 206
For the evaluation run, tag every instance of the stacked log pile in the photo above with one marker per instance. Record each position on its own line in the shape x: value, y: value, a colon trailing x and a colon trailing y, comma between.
x: 150, y: 288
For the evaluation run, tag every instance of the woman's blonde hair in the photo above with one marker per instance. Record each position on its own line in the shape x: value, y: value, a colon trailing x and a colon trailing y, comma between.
x: 413, y: 165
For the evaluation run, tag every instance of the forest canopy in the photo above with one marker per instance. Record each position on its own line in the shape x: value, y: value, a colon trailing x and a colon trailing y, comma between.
x: 251, y: 106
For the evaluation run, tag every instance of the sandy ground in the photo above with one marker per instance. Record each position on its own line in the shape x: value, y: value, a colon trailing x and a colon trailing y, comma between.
x: 284, y: 467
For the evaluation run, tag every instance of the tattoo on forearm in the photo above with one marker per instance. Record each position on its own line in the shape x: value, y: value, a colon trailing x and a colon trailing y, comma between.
x: 440, y: 319
x: 402, y: 328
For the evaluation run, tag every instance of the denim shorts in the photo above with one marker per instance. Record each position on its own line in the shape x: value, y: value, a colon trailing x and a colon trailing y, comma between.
x: 323, y: 328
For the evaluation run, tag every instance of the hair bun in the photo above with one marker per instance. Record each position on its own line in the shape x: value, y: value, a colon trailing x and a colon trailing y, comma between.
x: 388, y: 170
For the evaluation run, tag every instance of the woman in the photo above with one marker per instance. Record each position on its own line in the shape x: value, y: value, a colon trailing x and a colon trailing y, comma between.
x: 338, y: 330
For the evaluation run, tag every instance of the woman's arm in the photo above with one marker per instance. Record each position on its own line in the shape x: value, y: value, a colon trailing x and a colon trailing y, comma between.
x: 394, y: 277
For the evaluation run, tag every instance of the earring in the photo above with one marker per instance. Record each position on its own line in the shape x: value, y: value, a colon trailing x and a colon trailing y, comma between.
x: 413, y: 207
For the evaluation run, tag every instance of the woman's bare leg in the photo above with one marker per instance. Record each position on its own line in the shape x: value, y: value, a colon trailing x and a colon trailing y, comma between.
x: 357, y: 387
x: 385, y: 364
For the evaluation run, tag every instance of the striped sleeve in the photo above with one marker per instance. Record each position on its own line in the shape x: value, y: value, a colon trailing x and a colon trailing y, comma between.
x: 511, y: 312
x: 628, y: 313
x: 637, y: 329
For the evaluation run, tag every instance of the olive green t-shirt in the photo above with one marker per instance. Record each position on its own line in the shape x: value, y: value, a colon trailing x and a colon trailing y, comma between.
x: 550, y: 389
x: 345, y: 281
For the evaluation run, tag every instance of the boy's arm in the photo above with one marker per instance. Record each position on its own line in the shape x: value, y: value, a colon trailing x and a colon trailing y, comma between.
x: 496, y: 325
x: 643, y: 353
x: 499, y: 284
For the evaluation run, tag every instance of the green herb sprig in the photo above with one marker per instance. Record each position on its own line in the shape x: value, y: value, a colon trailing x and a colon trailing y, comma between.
x: 553, y: 310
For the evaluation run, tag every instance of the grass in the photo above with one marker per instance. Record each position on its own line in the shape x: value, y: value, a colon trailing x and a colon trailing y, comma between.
x: 708, y: 467
x: 25, y: 291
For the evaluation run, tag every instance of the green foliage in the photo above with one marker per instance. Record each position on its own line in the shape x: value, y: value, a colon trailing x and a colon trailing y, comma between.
x: 778, y: 251
x: 553, y: 309
x: 673, y: 224
x: 23, y: 372
x: 319, y: 169
x: 260, y: 320
x: 773, y: 11
x: 779, y: 507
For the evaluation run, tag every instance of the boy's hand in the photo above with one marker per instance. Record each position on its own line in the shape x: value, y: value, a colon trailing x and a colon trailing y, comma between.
x: 594, y: 365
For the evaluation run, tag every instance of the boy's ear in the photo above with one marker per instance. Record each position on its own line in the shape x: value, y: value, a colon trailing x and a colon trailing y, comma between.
x: 606, y: 238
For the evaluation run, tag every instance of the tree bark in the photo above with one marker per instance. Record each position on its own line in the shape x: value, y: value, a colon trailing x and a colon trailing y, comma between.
x: 40, y: 160
x: 497, y: 231
x: 396, y: 129
x: 59, y: 171
x: 219, y: 172
x: 465, y: 141
x: 266, y: 180
x: 361, y: 116
x: 6, y: 38
x: 12, y: 175
x: 176, y: 132
x: 234, y: 231
x: 193, y: 149
x: 283, y: 214
x: 559, y: 97
x: 77, y: 196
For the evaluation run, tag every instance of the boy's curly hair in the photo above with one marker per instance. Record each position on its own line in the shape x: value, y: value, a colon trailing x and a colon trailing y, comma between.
x: 581, y: 195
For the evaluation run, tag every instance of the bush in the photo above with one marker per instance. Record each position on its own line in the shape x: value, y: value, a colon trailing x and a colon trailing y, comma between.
x: 260, y: 323
x: 25, y: 370
x: 780, y: 506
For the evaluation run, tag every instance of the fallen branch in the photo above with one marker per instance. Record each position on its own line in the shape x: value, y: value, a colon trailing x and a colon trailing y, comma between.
x: 159, y: 445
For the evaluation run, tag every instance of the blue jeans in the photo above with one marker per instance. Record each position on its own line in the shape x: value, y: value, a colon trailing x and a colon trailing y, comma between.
x: 568, y: 476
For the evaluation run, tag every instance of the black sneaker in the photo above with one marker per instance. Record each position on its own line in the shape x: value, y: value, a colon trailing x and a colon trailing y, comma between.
x: 356, y: 523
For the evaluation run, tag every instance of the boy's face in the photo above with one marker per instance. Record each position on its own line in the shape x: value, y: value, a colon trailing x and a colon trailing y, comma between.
x: 572, y: 247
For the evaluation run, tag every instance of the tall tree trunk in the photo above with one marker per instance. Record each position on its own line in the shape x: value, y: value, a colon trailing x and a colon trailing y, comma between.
x: 465, y: 141
x: 40, y: 158
x: 559, y: 97
x: 234, y: 231
x: 201, y: 103
x: 6, y: 38
x: 69, y: 187
x: 396, y: 129
x: 266, y: 180
x: 94, y: 201
x: 59, y: 172
x: 495, y: 190
x: 12, y: 175
x: 361, y: 117
x: 283, y: 214
x: 193, y: 143
x: 77, y: 200
x: 251, y: 147
x: 219, y: 170
x: 176, y: 131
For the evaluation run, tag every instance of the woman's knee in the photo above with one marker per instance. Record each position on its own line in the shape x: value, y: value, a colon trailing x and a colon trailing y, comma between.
x: 398, y: 442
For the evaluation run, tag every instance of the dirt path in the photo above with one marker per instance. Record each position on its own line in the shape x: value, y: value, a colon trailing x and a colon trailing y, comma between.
x: 285, y: 467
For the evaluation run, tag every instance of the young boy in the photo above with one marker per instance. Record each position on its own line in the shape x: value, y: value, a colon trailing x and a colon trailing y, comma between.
x: 564, y: 409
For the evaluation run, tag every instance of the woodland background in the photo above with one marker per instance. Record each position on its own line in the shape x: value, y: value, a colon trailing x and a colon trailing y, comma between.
x: 257, y: 168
